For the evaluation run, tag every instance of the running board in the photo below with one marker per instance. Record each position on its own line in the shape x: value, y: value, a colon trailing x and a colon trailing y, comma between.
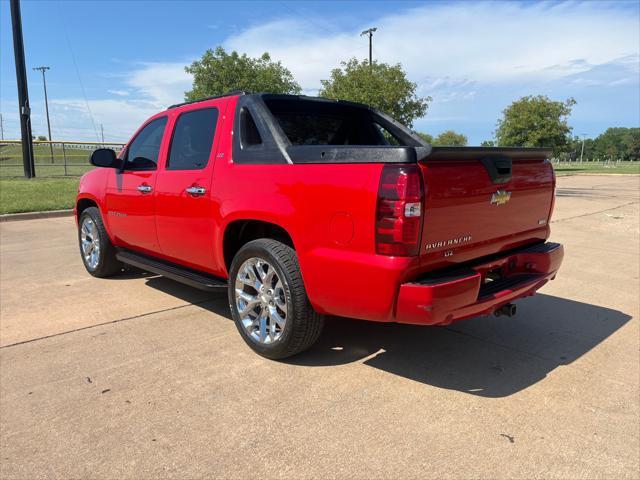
x: 175, y: 272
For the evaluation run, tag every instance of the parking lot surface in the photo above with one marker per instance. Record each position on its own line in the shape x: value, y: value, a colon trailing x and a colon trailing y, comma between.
x: 140, y: 377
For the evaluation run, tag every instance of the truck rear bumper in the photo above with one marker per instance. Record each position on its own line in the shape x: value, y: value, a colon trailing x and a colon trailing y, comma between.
x: 478, y: 289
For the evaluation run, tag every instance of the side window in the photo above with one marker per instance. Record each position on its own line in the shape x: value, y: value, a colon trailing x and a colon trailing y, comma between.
x: 386, y: 136
x: 192, y: 139
x: 249, y: 134
x: 143, y: 151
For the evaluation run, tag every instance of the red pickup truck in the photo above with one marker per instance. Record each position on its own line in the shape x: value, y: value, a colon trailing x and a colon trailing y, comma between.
x: 303, y: 207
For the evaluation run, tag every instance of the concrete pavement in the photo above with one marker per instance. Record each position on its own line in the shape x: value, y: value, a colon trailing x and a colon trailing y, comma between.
x: 140, y: 377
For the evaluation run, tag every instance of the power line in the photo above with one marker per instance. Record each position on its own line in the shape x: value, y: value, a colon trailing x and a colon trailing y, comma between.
x: 84, y: 93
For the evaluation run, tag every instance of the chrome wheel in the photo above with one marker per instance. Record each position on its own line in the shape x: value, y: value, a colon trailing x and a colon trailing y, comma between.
x: 90, y: 242
x: 260, y: 301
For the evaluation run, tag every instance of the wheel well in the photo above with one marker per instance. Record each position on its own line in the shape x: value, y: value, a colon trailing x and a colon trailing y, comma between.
x: 241, y: 232
x: 83, y: 204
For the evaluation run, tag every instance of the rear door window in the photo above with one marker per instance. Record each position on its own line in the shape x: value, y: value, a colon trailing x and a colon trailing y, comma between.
x: 192, y: 139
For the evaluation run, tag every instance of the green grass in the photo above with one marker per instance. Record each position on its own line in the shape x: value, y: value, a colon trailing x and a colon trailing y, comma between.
x: 19, y: 195
x: 77, y: 160
x: 596, y: 167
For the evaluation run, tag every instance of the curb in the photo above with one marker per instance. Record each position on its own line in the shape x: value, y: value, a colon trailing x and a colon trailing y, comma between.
x: 12, y: 217
x: 588, y: 174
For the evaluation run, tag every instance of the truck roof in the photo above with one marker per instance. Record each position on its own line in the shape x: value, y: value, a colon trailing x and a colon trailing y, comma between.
x: 204, y: 99
x: 237, y: 93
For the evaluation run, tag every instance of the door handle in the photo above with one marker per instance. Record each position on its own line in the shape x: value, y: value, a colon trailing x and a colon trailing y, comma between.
x: 144, y: 188
x: 196, y: 191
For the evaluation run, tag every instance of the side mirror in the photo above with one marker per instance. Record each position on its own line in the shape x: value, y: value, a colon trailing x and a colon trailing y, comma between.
x: 105, y: 157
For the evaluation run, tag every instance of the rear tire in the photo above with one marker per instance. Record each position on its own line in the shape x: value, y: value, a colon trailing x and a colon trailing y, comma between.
x: 268, y: 301
x: 97, y: 253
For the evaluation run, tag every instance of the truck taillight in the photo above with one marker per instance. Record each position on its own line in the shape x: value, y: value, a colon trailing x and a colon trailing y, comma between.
x: 399, y: 211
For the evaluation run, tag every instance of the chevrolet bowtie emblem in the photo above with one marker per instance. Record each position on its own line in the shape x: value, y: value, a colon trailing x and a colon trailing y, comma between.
x: 500, y: 197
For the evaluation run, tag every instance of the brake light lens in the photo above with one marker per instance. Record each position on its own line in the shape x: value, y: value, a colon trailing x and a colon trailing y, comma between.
x: 399, y: 211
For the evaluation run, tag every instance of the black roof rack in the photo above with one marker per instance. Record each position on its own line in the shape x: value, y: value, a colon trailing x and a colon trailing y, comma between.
x: 229, y: 94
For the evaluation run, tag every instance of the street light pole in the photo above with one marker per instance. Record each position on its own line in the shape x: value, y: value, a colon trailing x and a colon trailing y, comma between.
x: 46, y: 105
x: 369, y: 32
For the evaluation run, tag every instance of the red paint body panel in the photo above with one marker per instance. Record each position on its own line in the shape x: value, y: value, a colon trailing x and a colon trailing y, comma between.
x: 458, y: 205
x: 329, y: 211
x: 183, y: 222
x: 130, y: 213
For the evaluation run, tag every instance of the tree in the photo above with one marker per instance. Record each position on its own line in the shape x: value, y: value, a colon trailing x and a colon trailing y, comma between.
x: 575, y: 150
x: 633, y: 144
x: 380, y: 85
x: 42, y: 138
x: 426, y: 137
x: 488, y: 143
x: 536, y: 121
x: 450, y: 138
x: 219, y: 72
x: 618, y: 144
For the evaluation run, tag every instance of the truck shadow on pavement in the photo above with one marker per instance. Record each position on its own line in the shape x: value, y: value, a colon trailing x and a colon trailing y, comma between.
x: 489, y: 356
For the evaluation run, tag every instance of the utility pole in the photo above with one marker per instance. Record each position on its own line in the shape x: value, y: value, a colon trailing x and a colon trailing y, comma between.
x: 46, y: 106
x: 369, y: 32
x: 1, y: 128
x: 23, y: 91
x: 582, y: 150
x: 102, y: 132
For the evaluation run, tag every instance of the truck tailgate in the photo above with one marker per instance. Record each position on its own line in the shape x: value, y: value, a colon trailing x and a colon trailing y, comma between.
x: 482, y: 201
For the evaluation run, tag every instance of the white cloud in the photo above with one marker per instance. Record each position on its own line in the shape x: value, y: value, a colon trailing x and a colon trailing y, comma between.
x: 452, y: 50
x: 120, y: 118
x: 161, y: 83
x: 483, y: 41
x: 621, y: 71
x: 150, y: 88
x: 120, y: 93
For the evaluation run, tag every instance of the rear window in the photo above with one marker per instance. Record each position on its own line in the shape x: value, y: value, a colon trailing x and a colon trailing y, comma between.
x: 307, y: 122
x: 311, y: 129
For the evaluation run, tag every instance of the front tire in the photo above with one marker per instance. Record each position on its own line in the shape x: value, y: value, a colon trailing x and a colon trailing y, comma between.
x: 97, y: 252
x: 268, y: 301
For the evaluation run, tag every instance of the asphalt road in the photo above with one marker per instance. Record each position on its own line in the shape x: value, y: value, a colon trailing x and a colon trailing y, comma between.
x: 139, y: 377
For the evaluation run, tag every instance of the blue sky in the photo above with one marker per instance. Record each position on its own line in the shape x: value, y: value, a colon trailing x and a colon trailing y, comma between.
x: 123, y: 61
